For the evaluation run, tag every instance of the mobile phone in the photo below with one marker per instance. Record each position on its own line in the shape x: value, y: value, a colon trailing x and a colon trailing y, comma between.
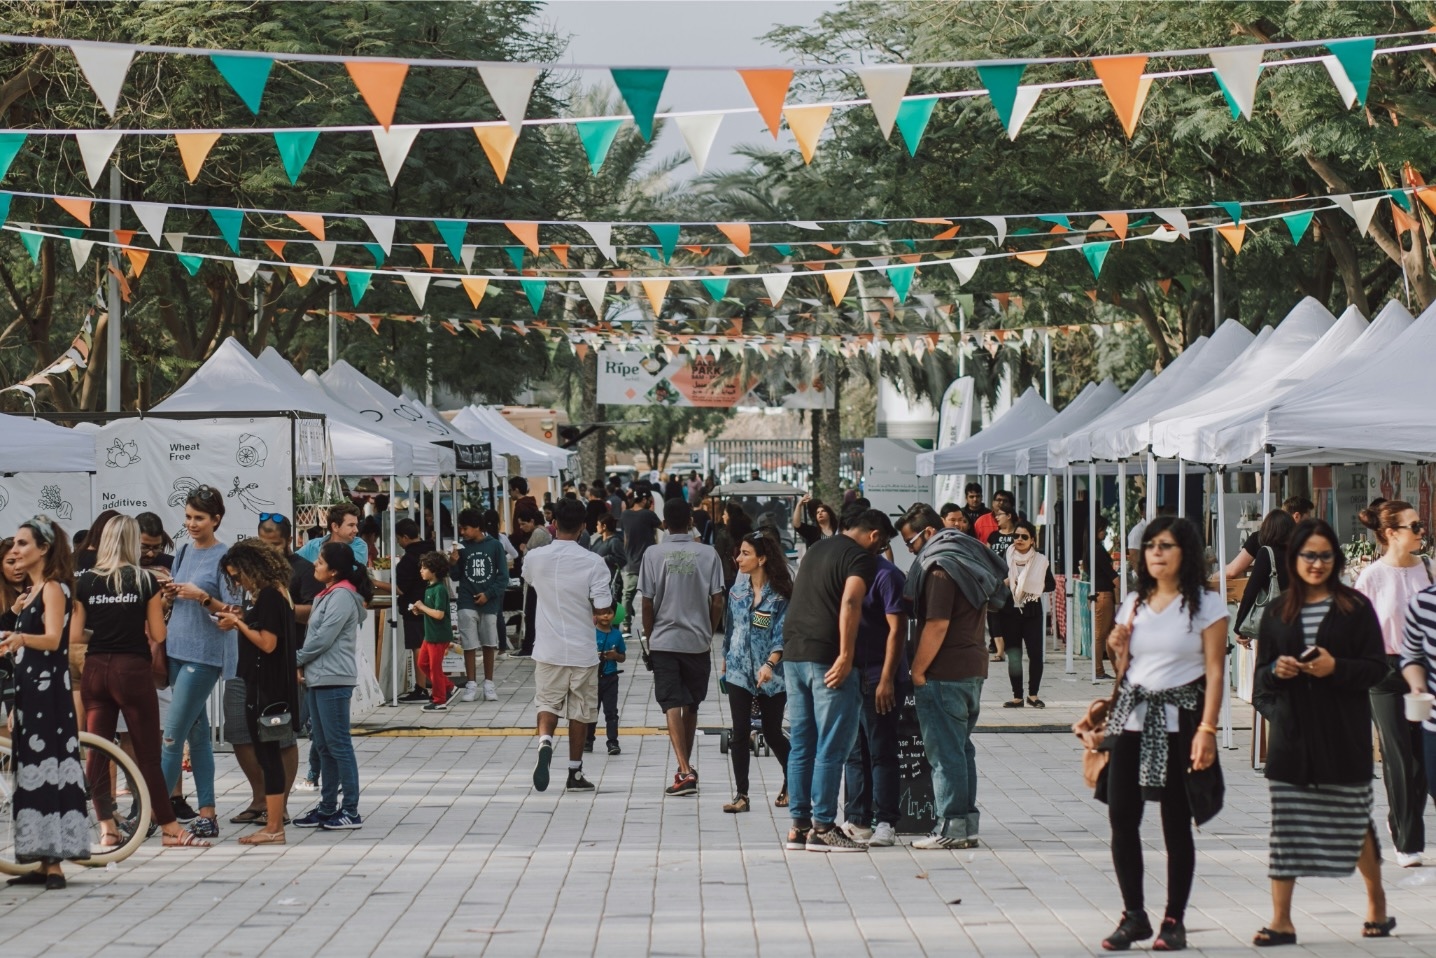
x: 1309, y: 653
x: 722, y: 685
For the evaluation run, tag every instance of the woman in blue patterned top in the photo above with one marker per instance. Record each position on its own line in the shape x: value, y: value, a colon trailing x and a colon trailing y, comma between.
x: 753, y: 657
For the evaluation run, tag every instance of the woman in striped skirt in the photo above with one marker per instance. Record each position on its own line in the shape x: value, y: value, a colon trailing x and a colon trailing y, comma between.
x: 1317, y: 657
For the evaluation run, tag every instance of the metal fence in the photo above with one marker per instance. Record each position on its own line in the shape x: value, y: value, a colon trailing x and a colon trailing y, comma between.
x: 777, y: 460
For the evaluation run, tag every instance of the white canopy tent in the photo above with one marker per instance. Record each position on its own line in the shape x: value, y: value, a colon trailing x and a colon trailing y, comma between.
x: 1017, y: 457
x: 32, y: 445
x: 535, y: 458
x: 393, y: 411
x: 1028, y: 414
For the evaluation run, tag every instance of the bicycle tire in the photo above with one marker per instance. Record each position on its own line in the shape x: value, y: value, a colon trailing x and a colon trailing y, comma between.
x: 114, y: 853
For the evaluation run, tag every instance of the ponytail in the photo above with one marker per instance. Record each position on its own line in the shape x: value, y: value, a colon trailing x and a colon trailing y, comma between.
x: 339, y: 557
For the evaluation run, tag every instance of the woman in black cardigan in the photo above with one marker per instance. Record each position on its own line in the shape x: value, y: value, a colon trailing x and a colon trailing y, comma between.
x: 1318, y: 652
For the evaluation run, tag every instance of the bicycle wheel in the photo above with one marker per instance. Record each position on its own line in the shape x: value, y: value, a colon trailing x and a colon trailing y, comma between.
x: 123, y: 767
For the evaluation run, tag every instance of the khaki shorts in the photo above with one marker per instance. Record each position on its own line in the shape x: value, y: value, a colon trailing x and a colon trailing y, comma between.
x: 568, y: 691
x: 477, y: 630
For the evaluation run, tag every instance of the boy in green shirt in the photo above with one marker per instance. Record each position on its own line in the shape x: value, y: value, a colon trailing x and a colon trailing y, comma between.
x: 438, y: 628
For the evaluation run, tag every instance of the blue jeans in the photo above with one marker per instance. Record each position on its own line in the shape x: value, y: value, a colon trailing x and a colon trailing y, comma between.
x: 329, y: 735
x: 947, y: 711
x: 871, y: 779
x: 188, y: 721
x: 823, y: 723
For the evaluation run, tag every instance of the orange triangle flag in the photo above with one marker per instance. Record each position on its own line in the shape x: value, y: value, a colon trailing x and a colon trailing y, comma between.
x: 768, y: 87
x: 581, y: 350
x: 1165, y: 285
x: 277, y: 246
x: 1003, y: 299
x: 138, y: 259
x: 124, y: 237
x: 560, y: 250
x: 1118, y: 222
x: 835, y: 250
x: 1033, y: 258
x: 655, y: 290
x: 194, y: 147
x: 1427, y: 196
x: 739, y: 234
x: 426, y: 250
x: 498, y: 143
x: 807, y: 124
x: 838, y: 280
x: 475, y: 287
x: 527, y: 234
x: 313, y: 222
x: 76, y: 207
x: 379, y: 84
x: 947, y: 233
x: 1125, y: 86
x: 301, y: 274
x: 1234, y: 233
x: 1401, y: 221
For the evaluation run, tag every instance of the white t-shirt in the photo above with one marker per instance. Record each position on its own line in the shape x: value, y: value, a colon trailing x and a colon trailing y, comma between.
x: 1167, y: 648
x: 1391, y: 589
x: 1134, y: 535
x: 570, y: 583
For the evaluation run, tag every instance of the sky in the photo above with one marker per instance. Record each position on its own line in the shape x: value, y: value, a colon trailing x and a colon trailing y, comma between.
x: 665, y: 32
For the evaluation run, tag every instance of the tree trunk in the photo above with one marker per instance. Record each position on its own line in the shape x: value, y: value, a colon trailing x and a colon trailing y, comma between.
x: 830, y: 445
x: 1348, y: 265
x: 593, y: 449
x: 815, y: 439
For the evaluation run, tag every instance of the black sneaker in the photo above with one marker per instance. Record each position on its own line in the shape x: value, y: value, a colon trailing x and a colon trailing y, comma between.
x: 613, y: 749
x: 1132, y: 928
x: 545, y: 755
x: 588, y: 746
x: 415, y: 695
x: 184, y: 814
x: 834, y: 839
x: 1171, y: 937
x: 435, y: 707
x: 683, y: 784
x: 576, y: 781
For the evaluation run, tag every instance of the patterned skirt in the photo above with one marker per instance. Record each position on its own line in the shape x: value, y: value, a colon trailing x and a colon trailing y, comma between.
x: 1318, y: 830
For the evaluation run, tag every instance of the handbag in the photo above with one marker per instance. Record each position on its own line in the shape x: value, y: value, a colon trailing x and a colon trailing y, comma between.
x: 1206, y: 790
x: 1251, y: 625
x: 274, y: 723
x: 1092, y: 728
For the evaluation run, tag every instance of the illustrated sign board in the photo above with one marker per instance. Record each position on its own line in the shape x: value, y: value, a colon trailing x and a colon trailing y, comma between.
x: 633, y: 378
x: 63, y: 496
x: 474, y: 456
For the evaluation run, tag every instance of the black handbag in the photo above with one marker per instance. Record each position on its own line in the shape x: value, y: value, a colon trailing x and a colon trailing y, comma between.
x: 1206, y: 790
x: 274, y: 723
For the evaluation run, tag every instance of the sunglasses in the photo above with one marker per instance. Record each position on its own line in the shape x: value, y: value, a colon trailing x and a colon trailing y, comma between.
x: 272, y: 517
x: 1417, y: 528
x: 1024, y: 537
x: 1316, y: 558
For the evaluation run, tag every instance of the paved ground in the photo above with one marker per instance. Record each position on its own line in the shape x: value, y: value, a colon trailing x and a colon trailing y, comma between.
x: 459, y: 856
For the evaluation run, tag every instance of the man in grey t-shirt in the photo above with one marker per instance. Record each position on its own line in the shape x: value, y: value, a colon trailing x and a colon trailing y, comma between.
x: 681, y: 582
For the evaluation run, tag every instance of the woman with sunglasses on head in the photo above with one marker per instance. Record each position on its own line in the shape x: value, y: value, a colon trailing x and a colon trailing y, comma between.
x: 1172, y: 634
x: 1029, y: 576
x: 1319, y: 652
x: 1000, y: 541
x: 51, y: 823
x: 1390, y: 583
x: 752, y: 665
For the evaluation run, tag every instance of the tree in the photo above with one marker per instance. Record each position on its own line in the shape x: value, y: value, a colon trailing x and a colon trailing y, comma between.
x: 656, y: 429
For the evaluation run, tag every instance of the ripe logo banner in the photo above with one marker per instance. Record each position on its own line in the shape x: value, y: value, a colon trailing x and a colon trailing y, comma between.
x: 633, y: 378
x: 153, y: 464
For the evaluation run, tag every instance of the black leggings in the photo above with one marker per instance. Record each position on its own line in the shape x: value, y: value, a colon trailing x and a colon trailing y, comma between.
x: 740, y: 701
x: 1024, y: 628
x: 1124, y: 811
x: 271, y: 761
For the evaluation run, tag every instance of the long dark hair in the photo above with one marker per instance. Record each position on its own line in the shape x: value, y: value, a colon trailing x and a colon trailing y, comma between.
x: 736, y: 520
x: 1276, y: 530
x: 91, y: 545
x: 1345, y: 598
x: 1191, y: 575
x: 775, y: 565
x: 264, y: 566
x: 339, y: 557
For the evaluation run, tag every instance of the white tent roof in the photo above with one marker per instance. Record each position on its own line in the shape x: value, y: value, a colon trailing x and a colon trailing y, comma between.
x: 535, y: 458
x: 1027, y: 455
x: 34, y: 445
x: 428, y: 459
x: 393, y: 411
x: 232, y: 379
x: 1030, y: 413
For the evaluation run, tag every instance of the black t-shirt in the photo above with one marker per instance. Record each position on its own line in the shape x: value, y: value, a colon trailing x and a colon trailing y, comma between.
x: 640, y: 530
x: 974, y: 514
x: 999, y: 542
x: 264, y: 673
x: 1103, y: 575
x: 810, y: 628
x: 1252, y: 546
x: 116, y: 617
x: 303, y: 588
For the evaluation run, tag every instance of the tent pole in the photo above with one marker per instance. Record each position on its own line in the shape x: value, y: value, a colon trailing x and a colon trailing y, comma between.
x: 1222, y: 586
x: 333, y: 326
x: 1266, y: 480
x: 113, y: 308
x: 1151, y: 486
x: 1122, y: 525
x: 396, y: 646
x: 1181, y: 487
x: 1092, y: 492
x: 1067, y: 549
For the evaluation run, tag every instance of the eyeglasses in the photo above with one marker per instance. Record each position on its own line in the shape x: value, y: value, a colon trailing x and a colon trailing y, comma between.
x: 272, y: 517
x: 1155, y: 546
x: 1417, y: 528
x: 1316, y: 558
x: 915, y: 537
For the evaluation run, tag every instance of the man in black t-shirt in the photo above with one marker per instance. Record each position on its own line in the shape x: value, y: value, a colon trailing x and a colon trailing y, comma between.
x: 639, y: 526
x: 825, y: 700
x: 1298, y: 506
x: 974, y: 508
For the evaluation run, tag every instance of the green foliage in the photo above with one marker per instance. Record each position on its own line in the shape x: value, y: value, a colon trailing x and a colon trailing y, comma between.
x: 661, y: 428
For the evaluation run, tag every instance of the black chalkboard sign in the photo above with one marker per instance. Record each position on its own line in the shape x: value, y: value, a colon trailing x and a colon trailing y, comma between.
x: 916, y: 805
x: 474, y: 456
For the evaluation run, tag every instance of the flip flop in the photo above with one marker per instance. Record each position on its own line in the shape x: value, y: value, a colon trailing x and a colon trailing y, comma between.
x: 185, y: 839
x: 1266, y: 938
x: 1378, y: 929
x: 263, y: 838
x: 250, y: 816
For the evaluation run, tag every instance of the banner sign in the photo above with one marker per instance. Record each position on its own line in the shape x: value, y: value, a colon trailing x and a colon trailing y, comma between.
x: 152, y: 465
x: 474, y: 456
x: 954, y: 425
x: 632, y: 378
x: 63, y: 496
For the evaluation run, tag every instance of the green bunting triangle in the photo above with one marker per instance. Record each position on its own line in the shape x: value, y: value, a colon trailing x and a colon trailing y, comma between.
x: 72, y: 232
x: 901, y: 278
x: 667, y: 234
x: 1401, y: 198
x: 1355, y: 55
x: 534, y: 290
x: 245, y: 75
x: 1001, y: 80
x: 10, y: 144
x: 5, y: 200
x: 717, y: 288
x: 912, y: 117
x: 641, y: 89
x: 229, y: 222
x: 597, y: 136
x: 191, y: 263
x: 32, y: 245
x: 1234, y: 210
x: 783, y: 248
x: 1296, y: 224
x: 376, y: 251
x: 358, y: 283
x: 1057, y: 219
x: 453, y: 233
x: 294, y: 150
x: 1232, y: 104
x: 1096, y: 254
x: 516, y: 256
x: 654, y: 253
x: 909, y: 244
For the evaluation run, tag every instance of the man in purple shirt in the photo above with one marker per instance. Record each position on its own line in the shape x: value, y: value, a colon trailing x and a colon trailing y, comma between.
x: 871, y: 776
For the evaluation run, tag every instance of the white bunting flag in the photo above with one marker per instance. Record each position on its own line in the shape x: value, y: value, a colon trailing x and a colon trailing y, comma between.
x: 595, y: 290
x: 776, y: 285
x: 81, y: 251
x: 966, y: 267
x: 326, y: 248
x: 176, y: 241
x: 698, y: 133
x: 394, y: 144
x: 96, y: 147
x: 1361, y: 211
x: 885, y: 87
x: 1000, y: 225
x: 510, y: 88
x: 1022, y: 105
x: 602, y: 234
x: 1343, y: 83
x: 152, y: 218
x: 383, y: 229
x: 1239, y: 68
x: 806, y: 225
x: 244, y: 270
x: 1178, y: 221
x: 418, y: 286
x: 466, y: 256
x: 105, y: 66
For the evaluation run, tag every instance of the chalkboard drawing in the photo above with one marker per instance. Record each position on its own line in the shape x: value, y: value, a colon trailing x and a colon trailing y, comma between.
x: 122, y: 454
x: 246, y: 496
x: 181, y: 489
x: 252, y: 451
x: 52, y: 501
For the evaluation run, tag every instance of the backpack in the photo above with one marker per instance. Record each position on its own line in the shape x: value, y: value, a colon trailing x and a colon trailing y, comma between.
x: 1251, y: 626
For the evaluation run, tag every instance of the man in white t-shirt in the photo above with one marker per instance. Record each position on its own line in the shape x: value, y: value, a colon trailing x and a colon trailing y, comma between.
x: 571, y: 585
x: 1134, y: 534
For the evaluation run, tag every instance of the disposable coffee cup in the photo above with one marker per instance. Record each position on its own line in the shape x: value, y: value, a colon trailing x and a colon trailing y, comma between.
x: 1418, y: 706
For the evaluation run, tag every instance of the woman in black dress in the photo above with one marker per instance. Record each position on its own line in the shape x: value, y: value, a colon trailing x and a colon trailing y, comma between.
x: 52, y: 821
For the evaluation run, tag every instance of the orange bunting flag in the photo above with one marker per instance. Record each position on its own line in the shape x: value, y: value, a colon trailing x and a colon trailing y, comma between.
x: 768, y: 88
x: 1427, y: 196
x: 475, y: 286
x: 807, y: 123
x: 138, y: 259
x: 835, y: 250
x: 426, y: 250
x: 739, y: 234
x: 655, y: 290
x: 527, y: 234
x: 498, y: 143
x: 277, y: 246
x: 124, y: 237
x: 838, y: 280
x: 1091, y: 294
x: 1118, y: 222
x: 581, y: 350
x: 379, y: 84
x: 1125, y: 86
x: 1003, y: 299
x: 301, y: 274
x: 313, y: 222
x: 1033, y: 258
x: 560, y: 251
x: 1165, y: 285
x: 76, y: 207
x: 194, y: 147
x: 947, y: 233
x: 1234, y: 233
x: 1402, y: 222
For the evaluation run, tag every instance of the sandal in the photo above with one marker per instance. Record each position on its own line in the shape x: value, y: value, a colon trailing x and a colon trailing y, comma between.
x: 185, y: 839
x: 250, y: 816
x: 1013, y: 704
x: 782, y: 800
x: 999, y: 658
x: 1266, y: 938
x: 1378, y: 929
x: 739, y: 804
x: 112, y: 841
x: 263, y: 838
x: 1035, y: 702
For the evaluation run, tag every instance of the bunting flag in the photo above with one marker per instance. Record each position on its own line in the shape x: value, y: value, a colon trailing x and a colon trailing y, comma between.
x: 80, y: 250
x: 1032, y: 257
x: 376, y: 251
x: 739, y: 234
x: 534, y: 290
x: 1125, y: 85
x: 294, y: 150
x: 276, y: 247
x: 152, y: 218
x: 667, y: 234
x: 597, y: 136
x: 393, y: 145
x: 301, y: 275
x: 475, y: 286
x: 775, y: 286
x: 190, y: 263
x: 379, y: 83
x: 358, y: 283
x: 326, y: 252
x: 526, y: 233
x: 244, y: 270
x: 426, y: 250
x: 1344, y: 87
x: 246, y: 76
x: 1400, y: 198
x: 498, y: 143
x: 1361, y: 211
x: 1237, y: 70
x: 656, y: 290
x: 452, y: 232
x: 418, y: 284
x: 912, y: 119
x: 31, y: 242
x: 1233, y: 210
x: 510, y: 88
x: 78, y: 208
x: 105, y: 66
x: 1001, y: 80
x: 1022, y: 105
x: 1177, y: 220
x: 312, y: 222
x: 699, y: 131
x: 768, y: 88
x: 602, y: 234
x: 901, y: 279
x: 1353, y: 56
x: 838, y: 280
x: 193, y: 148
x: 595, y: 290
x: 885, y: 87
x: 641, y: 90
x: 383, y: 229
x: 1118, y: 223
x: 1233, y: 233
x: 1296, y: 225
x: 717, y: 288
x: 999, y: 225
x: 229, y: 222
x: 1096, y: 255
x: 965, y: 267
x: 10, y: 144
x: 95, y: 151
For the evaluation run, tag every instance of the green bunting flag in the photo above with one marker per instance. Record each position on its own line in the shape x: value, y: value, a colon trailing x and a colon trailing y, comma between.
x: 229, y: 221
x: 1355, y: 55
x: 32, y: 245
x: 191, y: 263
x: 1057, y: 219
x: 909, y: 244
x: 516, y: 256
x: 10, y: 144
x: 376, y: 251
x: 1001, y: 80
x: 245, y: 75
x: 5, y: 201
x: 1400, y: 198
x: 901, y: 278
x: 1297, y: 223
x: 358, y: 283
x: 783, y: 249
x: 597, y: 136
x: 1234, y: 210
x: 294, y: 150
x: 717, y: 288
x: 1096, y: 254
x: 534, y: 290
x: 72, y: 232
x: 912, y: 117
x: 641, y: 89
x: 453, y: 233
x: 1232, y: 104
x: 667, y: 234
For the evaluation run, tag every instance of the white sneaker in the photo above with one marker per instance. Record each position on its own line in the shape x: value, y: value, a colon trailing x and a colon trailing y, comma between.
x: 858, y: 833
x: 1408, y: 859
x: 928, y: 842
x: 490, y: 693
x: 470, y: 693
x: 884, y: 835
